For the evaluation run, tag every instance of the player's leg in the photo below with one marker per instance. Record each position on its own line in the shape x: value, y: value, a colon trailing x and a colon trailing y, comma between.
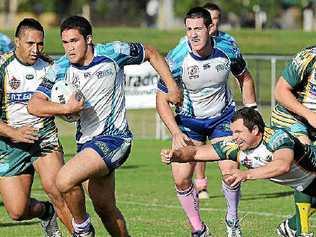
x: 68, y: 181
x: 105, y: 204
x: 187, y: 193
x: 201, y: 181
x: 47, y: 167
x: 15, y: 193
x: 221, y: 131
x: 95, y: 160
x: 182, y: 174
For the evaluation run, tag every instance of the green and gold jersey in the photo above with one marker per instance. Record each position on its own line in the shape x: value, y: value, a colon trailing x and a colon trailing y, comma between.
x: 300, y: 74
x: 17, y: 84
x: 302, y: 170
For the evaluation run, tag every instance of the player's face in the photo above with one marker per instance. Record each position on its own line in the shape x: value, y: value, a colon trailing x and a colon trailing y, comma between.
x: 29, y: 45
x: 216, y: 16
x: 244, y: 138
x: 197, y: 33
x: 76, y: 46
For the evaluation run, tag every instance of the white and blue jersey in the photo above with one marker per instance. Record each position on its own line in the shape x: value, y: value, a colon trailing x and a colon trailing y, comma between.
x: 102, y: 85
x: 204, y: 80
x: 6, y: 44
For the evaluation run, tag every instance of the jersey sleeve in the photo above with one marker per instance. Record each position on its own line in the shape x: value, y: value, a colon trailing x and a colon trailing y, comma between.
x: 122, y: 53
x: 55, y: 72
x: 230, y: 48
x: 226, y: 150
x: 280, y: 139
x: 174, y: 60
x: 299, y: 67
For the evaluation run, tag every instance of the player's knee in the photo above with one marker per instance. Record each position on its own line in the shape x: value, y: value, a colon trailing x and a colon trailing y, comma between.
x: 183, y: 184
x: 62, y: 184
x: 17, y: 214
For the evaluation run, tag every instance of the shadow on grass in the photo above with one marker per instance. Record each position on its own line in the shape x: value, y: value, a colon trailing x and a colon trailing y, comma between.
x: 19, y: 223
x: 259, y: 195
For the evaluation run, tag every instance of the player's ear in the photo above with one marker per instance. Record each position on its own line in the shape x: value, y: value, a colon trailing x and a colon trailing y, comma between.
x: 16, y: 41
x: 89, y: 39
x: 255, y: 130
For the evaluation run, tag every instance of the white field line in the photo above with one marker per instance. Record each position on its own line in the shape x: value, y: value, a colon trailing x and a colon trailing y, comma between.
x: 242, y: 213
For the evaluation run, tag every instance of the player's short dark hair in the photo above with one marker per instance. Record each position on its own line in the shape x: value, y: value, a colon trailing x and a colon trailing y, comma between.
x: 77, y: 22
x: 251, y: 118
x: 199, y: 12
x: 28, y: 23
x: 212, y: 7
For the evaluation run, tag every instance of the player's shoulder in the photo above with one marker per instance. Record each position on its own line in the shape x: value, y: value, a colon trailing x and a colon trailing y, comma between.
x: 227, y: 37
x: 307, y: 54
x: 115, y: 48
x: 6, y: 58
x: 277, y: 137
x: 180, y: 50
x: 229, y: 48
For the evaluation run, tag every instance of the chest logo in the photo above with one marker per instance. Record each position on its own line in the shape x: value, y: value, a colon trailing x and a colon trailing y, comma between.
x: 206, y: 66
x: 29, y: 76
x: 193, y: 72
x: 14, y: 83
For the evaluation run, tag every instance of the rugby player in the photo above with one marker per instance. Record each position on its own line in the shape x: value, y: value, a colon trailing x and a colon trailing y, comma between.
x: 28, y: 142
x: 295, y: 112
x: 269, y: 153
x: 103, y: 137
x: 201, y: 66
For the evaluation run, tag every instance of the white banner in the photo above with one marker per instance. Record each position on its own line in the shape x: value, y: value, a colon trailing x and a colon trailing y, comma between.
x: 140, y: 86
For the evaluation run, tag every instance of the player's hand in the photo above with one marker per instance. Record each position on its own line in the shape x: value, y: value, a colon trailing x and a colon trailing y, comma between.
x: 74, y: 105
x: 175, y: 95
x: 26, y: 134
x: 180, y: 140
x: 166, y: 156
x: 235, y: 177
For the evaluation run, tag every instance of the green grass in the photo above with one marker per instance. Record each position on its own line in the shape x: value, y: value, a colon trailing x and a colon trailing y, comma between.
x: 146, y: 196
x: 251, y: 42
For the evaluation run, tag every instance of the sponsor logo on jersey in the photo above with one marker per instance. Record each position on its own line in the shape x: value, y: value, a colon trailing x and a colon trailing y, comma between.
x: 221, y: 67
x: 104, y: 73
x: 14, y: 83
x: 206, y: 66
x: 19, y: 97
x: 76, y: 81
x: 29, y: 76
x: 86, y: 74
x: 193, y: 72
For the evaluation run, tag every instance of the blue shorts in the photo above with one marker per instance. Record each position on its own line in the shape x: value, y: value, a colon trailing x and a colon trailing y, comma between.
x: 114, y: 150
x: 208, y: 128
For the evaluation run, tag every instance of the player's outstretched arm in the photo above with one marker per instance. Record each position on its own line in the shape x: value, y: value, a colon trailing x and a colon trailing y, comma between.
x: 160, y: 65
x: 189, y: 153
x: 280, y: 164
x: 39, y: 105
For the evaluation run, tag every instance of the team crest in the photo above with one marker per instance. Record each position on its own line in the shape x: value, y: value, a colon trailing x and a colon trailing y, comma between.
x: 14, y: 83
x: 193, y: 72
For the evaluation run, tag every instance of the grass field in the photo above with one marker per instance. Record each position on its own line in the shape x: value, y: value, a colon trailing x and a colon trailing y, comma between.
x: 250, y: 41
x: 147, y: 198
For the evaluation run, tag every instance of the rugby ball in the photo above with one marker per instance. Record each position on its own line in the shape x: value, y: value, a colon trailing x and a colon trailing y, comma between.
x: 61, y: 92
